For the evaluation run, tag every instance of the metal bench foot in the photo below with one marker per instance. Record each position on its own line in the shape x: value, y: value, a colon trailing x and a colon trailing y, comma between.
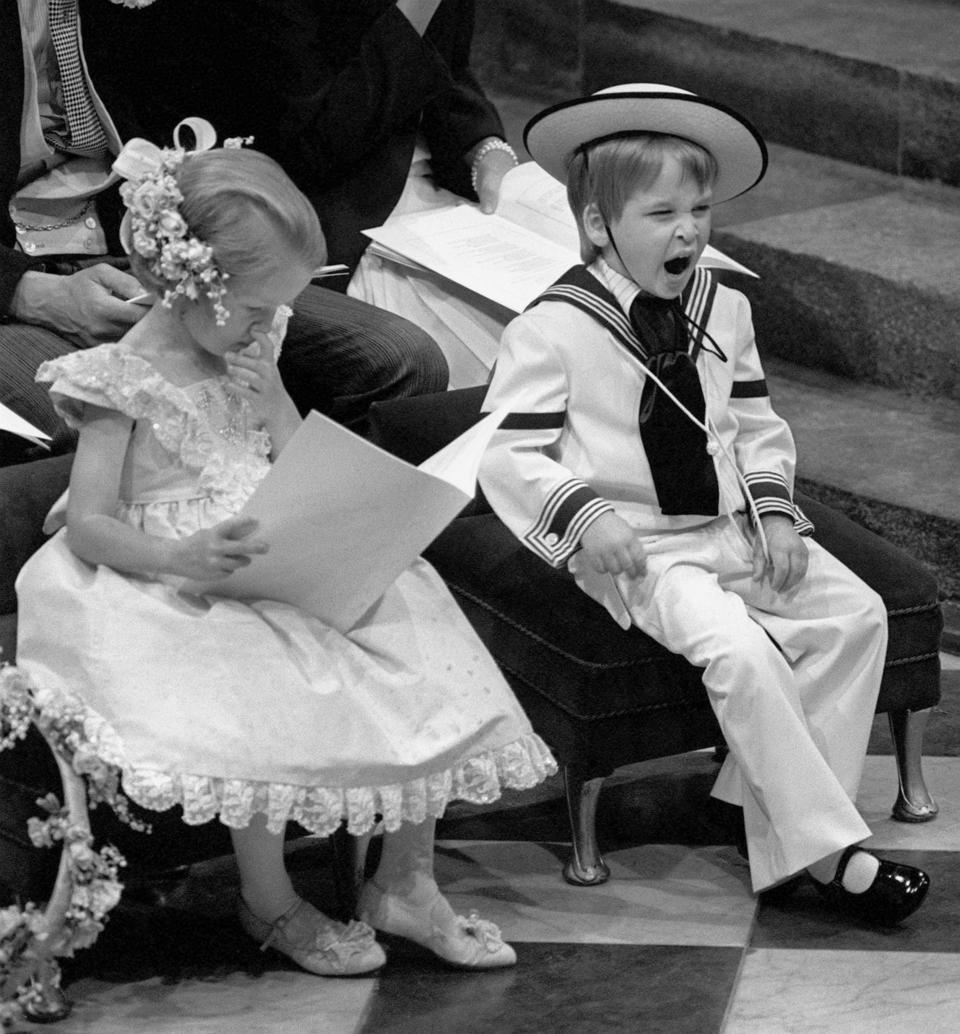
x: 586, y: 867
x: 914, y: 801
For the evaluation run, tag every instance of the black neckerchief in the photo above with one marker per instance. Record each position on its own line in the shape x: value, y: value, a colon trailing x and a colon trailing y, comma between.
x: 684, y: 475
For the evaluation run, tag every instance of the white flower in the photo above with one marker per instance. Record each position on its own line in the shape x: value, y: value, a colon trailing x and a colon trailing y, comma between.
x: 172, y: 223
x: 147, y: 199
x: 11, y: 919
x: 144, y: 244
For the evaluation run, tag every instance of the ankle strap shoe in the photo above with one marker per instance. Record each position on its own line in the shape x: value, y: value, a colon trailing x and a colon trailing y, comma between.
x: 896, y: 892
x: 315, y: 942
x: 468, y: 942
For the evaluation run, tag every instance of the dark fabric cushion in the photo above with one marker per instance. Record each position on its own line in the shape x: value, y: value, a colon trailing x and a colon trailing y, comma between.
x: 415, y: 428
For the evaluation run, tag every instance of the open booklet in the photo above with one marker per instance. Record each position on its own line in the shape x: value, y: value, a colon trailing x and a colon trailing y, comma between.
x: 509, y: 257
x: 10, y: 422
x: 343, y: 518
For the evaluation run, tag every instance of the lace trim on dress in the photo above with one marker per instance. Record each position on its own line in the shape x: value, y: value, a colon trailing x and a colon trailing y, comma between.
x: 518, y: 765
x: 112, y: 377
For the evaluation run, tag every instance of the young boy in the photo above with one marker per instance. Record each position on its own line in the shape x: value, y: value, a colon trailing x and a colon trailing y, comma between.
x: 642, y: 452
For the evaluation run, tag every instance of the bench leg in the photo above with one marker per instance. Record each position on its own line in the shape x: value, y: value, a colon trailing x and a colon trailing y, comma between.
x: 914, y: 801
x: 586, y: 867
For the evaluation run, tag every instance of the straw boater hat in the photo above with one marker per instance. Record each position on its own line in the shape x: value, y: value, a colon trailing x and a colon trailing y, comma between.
x: 555, y: 134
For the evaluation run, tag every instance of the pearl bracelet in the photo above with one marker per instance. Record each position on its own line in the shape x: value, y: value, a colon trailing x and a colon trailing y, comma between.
x: 493, y: 144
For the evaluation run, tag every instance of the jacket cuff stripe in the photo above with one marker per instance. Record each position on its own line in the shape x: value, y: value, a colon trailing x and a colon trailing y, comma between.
x: 768, y: 484
x: 567, y: 511
x: 771, y: 505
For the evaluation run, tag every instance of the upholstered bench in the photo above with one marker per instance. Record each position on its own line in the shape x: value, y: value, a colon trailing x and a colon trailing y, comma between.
x: 602, y: 697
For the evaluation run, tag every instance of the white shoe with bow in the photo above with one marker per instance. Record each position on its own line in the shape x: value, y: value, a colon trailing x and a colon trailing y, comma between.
x: 464, y: 942
x: 316, y: 942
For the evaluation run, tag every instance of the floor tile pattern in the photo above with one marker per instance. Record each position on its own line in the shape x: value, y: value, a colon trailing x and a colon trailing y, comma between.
x: 674, y: 943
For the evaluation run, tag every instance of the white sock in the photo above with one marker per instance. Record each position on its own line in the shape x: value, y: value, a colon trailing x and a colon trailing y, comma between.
x: 858, y: 876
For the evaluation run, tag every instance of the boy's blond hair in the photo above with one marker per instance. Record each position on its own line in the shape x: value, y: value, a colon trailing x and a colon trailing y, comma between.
x: 609, y: 172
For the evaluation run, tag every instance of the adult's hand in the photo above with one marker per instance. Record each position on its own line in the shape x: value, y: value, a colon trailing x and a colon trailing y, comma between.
x: 86, y: 307
x: 491, y: 169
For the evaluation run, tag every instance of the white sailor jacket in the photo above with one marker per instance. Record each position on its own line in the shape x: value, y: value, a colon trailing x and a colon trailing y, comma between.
x: 570, y: 374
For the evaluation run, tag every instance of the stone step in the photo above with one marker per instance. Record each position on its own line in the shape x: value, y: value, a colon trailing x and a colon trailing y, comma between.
x: 859, y: 271
x: 874, y: 82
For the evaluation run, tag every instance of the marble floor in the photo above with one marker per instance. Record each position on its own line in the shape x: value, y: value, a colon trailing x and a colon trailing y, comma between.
x: 672, y: 944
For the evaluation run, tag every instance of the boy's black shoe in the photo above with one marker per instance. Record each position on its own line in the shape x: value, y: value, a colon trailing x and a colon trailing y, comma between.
x: 897, y: 891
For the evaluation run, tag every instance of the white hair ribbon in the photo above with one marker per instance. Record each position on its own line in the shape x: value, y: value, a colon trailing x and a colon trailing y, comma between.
x: 140, y: 157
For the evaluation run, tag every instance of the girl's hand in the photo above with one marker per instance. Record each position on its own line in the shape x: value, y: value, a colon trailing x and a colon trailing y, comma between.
x: 788, y: 554
x: 215, y: 552
x: 254, y: 376
x: 611, y: 546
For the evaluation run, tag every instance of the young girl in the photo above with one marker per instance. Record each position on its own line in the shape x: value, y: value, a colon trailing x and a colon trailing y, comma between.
x: 253, y: 711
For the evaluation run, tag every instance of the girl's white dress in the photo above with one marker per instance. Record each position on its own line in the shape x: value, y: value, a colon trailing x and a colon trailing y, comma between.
x: 233, y: 707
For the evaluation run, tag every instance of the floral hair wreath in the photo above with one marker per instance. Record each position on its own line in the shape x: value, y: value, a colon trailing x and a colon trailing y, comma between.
x: 153, y: 226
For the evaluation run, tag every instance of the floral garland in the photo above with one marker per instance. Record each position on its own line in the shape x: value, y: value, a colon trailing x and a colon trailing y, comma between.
x: 159, y: 233
x: 30, y: 941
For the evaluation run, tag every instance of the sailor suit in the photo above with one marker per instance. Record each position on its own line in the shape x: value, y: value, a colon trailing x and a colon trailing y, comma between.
x: 793, y: 677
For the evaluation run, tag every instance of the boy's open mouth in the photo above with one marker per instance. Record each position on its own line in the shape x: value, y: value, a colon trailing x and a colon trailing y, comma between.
x: 676, y: 266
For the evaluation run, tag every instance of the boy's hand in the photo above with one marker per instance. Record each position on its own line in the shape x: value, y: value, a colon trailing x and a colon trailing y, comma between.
x: 215, y: 552
x: 611, y: 546
x: 788, y: 554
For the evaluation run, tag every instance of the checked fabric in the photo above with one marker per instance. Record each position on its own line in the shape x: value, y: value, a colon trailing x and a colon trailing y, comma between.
x: 85, y: 133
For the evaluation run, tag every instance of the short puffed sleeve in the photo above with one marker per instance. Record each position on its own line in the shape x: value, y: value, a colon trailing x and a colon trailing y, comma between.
x: 107, y: 376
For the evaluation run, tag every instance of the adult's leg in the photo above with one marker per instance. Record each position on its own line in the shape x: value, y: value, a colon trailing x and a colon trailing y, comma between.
x: 22, y: 349
x: 340, y: 355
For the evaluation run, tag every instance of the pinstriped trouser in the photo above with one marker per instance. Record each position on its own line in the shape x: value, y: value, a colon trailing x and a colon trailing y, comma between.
x: 340, y: 355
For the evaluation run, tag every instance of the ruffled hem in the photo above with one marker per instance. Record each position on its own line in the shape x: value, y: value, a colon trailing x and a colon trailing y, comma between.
x: 321, y: 809
x: 481, y: 779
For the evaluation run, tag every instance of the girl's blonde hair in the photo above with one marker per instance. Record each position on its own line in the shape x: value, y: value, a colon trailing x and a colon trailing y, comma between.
x: 609, y: 172
x: 239, y: 202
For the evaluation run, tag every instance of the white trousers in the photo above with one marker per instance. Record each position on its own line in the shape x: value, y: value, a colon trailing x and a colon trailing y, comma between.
x: 793, y: 679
